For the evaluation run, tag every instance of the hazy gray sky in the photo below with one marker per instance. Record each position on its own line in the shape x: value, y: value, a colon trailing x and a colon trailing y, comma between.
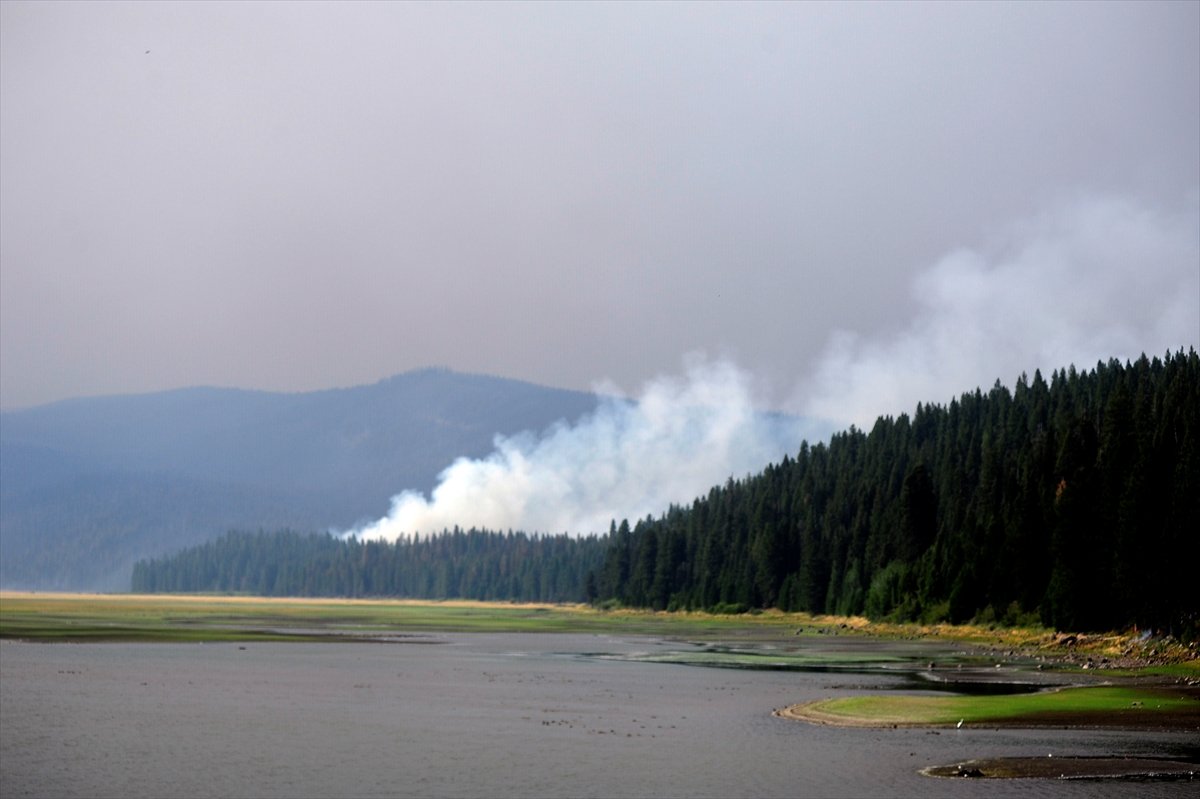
x: 861, y: 205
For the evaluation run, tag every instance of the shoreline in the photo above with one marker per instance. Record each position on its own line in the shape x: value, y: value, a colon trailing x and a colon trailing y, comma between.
x: 1138, y: 718
x: 1102, y: 653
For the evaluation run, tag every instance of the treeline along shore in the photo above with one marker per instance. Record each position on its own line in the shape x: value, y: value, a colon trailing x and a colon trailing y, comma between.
x: 474, y: 564
x: 1073, y: 502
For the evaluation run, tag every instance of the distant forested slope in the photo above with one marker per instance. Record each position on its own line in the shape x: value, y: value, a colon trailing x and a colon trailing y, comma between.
x: 472, y: 564
x: 89, y: 486
x: 1077, y: 500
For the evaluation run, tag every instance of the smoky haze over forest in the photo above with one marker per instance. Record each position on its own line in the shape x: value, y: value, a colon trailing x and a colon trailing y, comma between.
x: 627, y: 460
x: 861, y: 205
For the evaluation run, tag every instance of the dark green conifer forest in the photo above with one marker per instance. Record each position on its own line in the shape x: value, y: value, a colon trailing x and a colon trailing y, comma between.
x: 454, y: 564
x: 1074, y: 502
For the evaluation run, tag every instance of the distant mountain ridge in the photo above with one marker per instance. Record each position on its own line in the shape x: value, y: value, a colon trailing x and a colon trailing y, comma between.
x: 88, y: 486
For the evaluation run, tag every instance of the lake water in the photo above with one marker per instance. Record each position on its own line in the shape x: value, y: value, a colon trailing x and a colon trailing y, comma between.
x: 475, y: 715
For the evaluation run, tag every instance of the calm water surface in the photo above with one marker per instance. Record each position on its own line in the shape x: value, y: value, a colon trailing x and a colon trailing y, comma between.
x: 474, y: 715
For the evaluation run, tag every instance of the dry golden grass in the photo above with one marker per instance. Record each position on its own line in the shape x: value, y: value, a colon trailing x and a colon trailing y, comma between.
x: 1110, y: 650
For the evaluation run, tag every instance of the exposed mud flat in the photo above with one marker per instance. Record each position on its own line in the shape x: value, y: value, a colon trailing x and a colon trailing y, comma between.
x: 1070, y: 768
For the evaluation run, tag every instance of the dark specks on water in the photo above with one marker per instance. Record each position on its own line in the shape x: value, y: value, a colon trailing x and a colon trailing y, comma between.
x: 489, y: 715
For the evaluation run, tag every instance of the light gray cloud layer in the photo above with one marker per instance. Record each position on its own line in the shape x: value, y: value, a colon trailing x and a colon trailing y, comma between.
x: 295, y: 196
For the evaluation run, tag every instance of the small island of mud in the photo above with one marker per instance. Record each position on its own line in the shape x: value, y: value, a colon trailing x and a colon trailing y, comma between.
x: 1070, y: 768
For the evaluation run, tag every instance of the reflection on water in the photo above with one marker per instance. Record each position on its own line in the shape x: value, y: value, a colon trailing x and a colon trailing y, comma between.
x: 480, y: 715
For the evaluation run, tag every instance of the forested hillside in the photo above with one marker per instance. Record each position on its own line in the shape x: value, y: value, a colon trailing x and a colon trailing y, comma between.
x: 1076, y: 501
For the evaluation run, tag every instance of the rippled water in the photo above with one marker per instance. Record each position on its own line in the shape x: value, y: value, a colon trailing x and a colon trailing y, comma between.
x: 472, y: 715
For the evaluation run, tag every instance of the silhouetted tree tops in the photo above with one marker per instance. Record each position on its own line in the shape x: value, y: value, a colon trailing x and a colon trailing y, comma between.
x: 1074, y: 501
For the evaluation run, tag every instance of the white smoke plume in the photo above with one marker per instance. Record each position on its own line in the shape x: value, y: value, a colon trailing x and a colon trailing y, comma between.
x: 627, y: 460
x: 1092, y: 279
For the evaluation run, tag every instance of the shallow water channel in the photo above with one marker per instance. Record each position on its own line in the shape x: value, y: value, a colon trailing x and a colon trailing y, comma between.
x: 496, y: 715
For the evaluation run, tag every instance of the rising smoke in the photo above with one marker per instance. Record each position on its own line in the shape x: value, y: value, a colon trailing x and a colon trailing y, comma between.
x: 1088, y: 280
x: 627, y: 460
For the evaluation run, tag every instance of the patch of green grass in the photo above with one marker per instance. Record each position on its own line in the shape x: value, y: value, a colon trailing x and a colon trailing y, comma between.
x: 1079, y: 703
x: 1189, y: 669
x: 1186, y: 670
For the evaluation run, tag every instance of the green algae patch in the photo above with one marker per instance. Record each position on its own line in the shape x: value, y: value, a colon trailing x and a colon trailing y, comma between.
x: 1099, y: 706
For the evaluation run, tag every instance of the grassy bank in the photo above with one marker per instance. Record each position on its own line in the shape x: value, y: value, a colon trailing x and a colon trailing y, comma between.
x: 127, y: 617
x: 1101, y: 706
x: 133, y: 617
